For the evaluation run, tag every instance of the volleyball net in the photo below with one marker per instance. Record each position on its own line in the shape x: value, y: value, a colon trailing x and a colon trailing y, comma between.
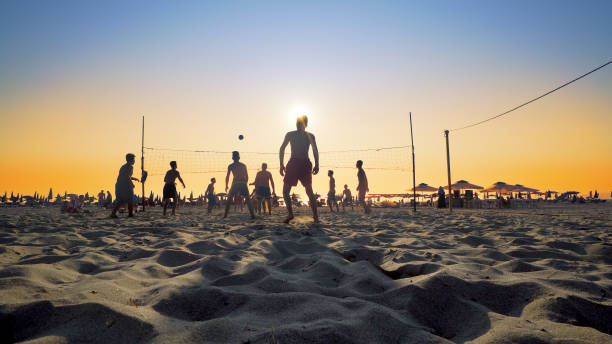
x: 157, y: 160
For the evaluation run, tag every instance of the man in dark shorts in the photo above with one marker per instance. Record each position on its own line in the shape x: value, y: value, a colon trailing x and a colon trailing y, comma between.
x: 210, y: 195
x: 263, y: 179
x: 170, y: 187
x: 299, y: 166
x: 239, y: 183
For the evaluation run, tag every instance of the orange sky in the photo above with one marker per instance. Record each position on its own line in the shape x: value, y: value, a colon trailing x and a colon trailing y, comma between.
x: 70, y: 109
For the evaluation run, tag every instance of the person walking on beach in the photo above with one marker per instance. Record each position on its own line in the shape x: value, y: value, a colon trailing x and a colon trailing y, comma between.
x: 124, y: 188
x: 239, y: 183
x: 362, y: 187
x: 170, y: 187
x: 209, y: 194
x: 299, y: 166
x: 263, y: 179
x: 331, y: 195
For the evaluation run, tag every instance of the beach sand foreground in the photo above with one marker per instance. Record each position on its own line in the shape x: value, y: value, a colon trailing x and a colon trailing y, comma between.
x: 483, y: 276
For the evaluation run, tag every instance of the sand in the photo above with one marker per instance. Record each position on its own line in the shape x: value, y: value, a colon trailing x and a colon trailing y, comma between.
x: 483, y: 276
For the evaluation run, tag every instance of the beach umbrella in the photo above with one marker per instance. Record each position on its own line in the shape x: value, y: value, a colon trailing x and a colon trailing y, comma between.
x: 464, y: 185
x: 521, y: 188
x: 191, y: 196
x: 35, y: 195
x: 50, y: 194
x: 4, y: 197
x: 423, y: 187
x: 500, y: 187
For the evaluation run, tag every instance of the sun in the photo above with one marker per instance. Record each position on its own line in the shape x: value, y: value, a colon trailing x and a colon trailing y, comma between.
x: 297, y: 112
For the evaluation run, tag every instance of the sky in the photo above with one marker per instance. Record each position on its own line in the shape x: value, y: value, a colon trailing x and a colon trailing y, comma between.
x: 76, y: 77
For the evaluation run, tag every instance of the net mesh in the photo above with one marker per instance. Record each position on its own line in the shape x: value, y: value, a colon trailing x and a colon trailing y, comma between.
x: 206, y: 162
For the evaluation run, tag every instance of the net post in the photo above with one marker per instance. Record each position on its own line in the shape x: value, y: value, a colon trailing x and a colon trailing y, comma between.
x: 448, y: 169
x: 142, y: 166
x: 413, y: 164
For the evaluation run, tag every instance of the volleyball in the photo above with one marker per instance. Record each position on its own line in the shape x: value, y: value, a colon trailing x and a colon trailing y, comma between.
x: 240, y: 137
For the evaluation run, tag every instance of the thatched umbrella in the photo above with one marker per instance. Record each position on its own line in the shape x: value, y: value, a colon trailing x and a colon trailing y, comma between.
x: 464, y: 185
x: 500, y: 187
x: 521, y: 188
x: 423, y: 187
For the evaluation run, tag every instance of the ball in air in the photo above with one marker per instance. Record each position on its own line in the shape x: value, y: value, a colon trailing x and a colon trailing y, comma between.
x: 240, y: 137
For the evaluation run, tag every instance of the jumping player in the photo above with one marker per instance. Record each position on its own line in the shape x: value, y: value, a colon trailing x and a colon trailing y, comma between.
x: 170, y: 187
x: 239, y: 183
x: 299, y: 166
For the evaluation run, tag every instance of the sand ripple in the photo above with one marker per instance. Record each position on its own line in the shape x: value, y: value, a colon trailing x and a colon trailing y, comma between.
x: 529, y: 276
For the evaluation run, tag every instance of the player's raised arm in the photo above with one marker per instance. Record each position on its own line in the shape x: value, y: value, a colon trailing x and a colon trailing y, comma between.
x: 281, y: 154
x: 315, y: 153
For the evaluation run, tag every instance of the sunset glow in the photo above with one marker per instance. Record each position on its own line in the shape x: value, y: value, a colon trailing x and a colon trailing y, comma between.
x: 76, y: 79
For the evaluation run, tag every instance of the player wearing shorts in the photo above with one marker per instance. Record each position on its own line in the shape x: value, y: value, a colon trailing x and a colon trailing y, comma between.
x: 347, y: 198
x: 210, y: 195
x: 239, y: 183
x: 263, y: 179
x: 170, y: 187
x: 299, y: 167
x: 331, y: 195
x: 362, y: 187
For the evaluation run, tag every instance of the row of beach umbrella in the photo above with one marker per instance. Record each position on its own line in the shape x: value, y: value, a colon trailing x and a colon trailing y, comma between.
x: 499, y: 187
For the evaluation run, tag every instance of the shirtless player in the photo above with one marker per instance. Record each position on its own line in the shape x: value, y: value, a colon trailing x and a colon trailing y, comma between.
x: 362, y: 187
x: 263, y: 179
x: 170, y: 187
x: 299, y: 166
x: 347, y: 197
x: 239, y: 183
x: 210, y: 195
x: 331, y: 195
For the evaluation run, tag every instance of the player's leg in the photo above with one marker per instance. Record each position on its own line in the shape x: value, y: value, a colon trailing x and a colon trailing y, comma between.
x: 174, y: 204
x: 288, y: 204
x: 130, y: 209
x: 115, y: 209
x: 313, y: 202
x: 228, y: 203
x: 165, y: 202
